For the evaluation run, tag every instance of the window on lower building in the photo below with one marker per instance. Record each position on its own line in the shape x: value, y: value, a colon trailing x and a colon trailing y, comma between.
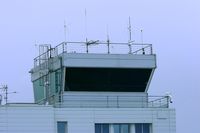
x: 111, y: 128
x: 101, y: 128
x: 61, y: 127
x: 142, y: 128
x: 123, y: 128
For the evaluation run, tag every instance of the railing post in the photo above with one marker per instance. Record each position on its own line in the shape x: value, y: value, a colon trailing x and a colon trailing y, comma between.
x: 63, y: 47
x: 168, y: 101
x: 151, y: 49
x: 108, y: 45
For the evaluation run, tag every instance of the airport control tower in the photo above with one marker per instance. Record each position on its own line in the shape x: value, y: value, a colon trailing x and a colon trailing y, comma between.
x: 61, y: 72
x: 110, y: 80
x: 91, y: 87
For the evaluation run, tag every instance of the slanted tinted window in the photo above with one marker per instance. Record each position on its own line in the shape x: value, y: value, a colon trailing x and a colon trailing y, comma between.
x: 142, y: 128
x: 106, y: 79
x: 61, y: 127
x: 101, y: 128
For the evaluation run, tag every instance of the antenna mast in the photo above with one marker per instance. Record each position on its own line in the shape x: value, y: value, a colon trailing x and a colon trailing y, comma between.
x: 86, y: 31
x: 65, y: 31
x: 4, y: 88
x: 130, y: 36
x: 129, y: 28
x: 141, y: 31
x: 108, y: 40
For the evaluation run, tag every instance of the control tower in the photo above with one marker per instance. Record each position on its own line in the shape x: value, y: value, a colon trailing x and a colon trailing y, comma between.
x: 109, y: 70
x: 91, y: 87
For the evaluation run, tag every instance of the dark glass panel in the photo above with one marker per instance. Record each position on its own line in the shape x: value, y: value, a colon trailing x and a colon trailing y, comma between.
x: 146, y: 128
x: 124, y: 128
x: 116, y: 128
x: 138, y: 128
x: 106, y: 79
x: 97, y: 128
x: 105, y: 128
x: 62, y: 127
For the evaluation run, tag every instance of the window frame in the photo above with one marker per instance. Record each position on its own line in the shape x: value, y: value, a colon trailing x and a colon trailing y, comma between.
x: 65, y: 125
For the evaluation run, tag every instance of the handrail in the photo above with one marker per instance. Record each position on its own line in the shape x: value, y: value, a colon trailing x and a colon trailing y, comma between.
x: 136, y: 48
x: 108, y: 101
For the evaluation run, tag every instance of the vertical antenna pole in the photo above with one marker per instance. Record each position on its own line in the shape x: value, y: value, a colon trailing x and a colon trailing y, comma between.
x: 86, y: 40
x: 143, y: 51
x: 6, y: 89
x: 129, y: 28
x: 130, y: 34
x: 141, y: 36
x: 65, y: 36
x: 108, y: 40
x: 65, y: 31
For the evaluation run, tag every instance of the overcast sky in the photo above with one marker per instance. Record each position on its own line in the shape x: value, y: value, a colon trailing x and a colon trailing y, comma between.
x: 172, y: 26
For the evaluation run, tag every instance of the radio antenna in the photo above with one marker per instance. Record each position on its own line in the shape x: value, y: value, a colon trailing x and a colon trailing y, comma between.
x: 141, y: 34
x: 65, y: 31
x: 108, y: 39
x: 86, y: 40
x: 86, y: 24
x: 130, y: 36
x: 4, y: 88
x: 129, y: 28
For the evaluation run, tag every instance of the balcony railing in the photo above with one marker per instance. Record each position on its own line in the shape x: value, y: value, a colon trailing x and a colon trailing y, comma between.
x: 89, y: 101
x: 92, y: 47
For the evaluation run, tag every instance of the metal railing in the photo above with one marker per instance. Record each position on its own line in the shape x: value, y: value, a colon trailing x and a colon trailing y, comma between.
x: 94, y: 47
x: 86, y: 101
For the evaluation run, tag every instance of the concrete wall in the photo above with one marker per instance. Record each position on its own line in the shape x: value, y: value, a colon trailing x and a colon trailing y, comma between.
x: 43, y: 119
x: 82, y: 120
x: 25, y: 118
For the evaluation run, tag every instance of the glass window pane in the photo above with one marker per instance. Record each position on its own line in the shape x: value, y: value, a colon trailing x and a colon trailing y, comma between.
x: 124, y: 128
x: 97, y: 128
x: 105, y: 128
x: 138, y: 128
x: 62, y: 127
x: 116, y: 128
x: 146, y: 128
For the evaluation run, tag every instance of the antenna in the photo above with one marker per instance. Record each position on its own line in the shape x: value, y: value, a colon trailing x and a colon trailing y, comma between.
x: 4, y: 88
x: 65, y: 31
x: 86, y: 40
x: 86, y: 23
x: 36, y: 48
x: 141, y: 35
x: 108, y: 39
x: 129, y: 28
x: 130, y: 36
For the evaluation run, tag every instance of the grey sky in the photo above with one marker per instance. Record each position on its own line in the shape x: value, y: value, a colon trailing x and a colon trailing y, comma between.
x: 172, y: 26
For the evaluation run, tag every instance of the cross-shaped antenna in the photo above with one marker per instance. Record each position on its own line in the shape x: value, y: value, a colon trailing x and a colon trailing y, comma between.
x: 5, y: 89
